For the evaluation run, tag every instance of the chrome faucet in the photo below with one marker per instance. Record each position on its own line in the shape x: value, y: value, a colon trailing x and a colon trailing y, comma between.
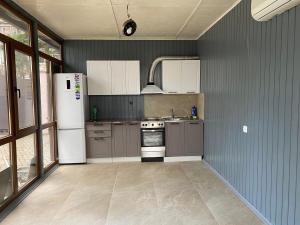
x: 172, y: 113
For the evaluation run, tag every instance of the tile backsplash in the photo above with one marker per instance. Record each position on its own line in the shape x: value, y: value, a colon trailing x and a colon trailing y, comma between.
x: 161, y: 105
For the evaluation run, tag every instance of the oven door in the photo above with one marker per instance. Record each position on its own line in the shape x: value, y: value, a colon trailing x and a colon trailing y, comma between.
x: 153, y: 138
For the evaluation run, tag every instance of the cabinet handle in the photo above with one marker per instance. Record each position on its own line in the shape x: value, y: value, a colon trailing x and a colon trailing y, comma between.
x: 195, y: 123
x: 191, y: 92
x: 118, y: 124
x: 98, y: 131
x: 98, y: 138
x: 98, y: 124
x: 174, y: 123
x: 172, y: 92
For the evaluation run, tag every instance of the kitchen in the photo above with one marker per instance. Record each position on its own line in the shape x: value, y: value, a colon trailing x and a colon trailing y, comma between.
x: 174, y: 114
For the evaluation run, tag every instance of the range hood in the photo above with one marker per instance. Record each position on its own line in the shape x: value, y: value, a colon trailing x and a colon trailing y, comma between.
x: 151, y: 88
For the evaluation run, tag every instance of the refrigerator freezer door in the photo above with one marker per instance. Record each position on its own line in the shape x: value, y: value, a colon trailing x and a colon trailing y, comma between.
x: 71, y: 146
x: 69, y: 96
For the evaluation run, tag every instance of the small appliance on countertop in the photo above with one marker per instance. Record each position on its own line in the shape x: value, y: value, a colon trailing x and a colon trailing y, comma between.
x: 153, y: 140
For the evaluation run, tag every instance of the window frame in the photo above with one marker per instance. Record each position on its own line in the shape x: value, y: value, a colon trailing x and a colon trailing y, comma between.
x: 41, y: 28
x: 12, y: 45
x: 24, y: 18
x: 52, y: 59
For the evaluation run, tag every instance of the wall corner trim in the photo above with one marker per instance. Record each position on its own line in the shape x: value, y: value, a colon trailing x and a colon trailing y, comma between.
x: 244, y: 200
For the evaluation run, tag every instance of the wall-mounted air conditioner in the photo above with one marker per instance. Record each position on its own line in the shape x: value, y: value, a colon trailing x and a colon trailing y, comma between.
x: 263, y: 10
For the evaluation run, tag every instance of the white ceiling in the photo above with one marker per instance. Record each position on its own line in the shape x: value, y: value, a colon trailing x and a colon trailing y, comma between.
x: 103, y: 19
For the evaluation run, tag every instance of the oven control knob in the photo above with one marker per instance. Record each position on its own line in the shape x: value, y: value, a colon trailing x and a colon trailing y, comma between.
x: 152, y: 124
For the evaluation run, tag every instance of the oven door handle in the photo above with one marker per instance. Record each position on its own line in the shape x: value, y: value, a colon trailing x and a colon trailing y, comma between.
x: 151, y: 131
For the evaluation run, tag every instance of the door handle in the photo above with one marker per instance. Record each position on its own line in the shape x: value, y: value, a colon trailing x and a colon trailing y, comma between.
x: 18, y: 90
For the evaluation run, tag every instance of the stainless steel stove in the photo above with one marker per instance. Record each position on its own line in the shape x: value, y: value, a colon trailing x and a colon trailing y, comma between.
x: 153, y: 140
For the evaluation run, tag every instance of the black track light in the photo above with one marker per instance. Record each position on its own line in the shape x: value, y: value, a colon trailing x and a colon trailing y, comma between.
x: 129, y: 26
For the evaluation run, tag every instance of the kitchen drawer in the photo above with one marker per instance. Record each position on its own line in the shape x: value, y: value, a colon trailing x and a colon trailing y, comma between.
x: 98, y: 133
x: 98, y: 126
x: 99, y: 147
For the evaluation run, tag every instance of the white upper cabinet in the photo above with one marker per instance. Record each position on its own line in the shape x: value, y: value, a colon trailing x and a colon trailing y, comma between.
x: 190, y: 76
x: 118, y: 77
x: 133, y: 78
x: 181, y: 76
x: 99, y: 77
x: 171, y: 76
x: 113, y: 77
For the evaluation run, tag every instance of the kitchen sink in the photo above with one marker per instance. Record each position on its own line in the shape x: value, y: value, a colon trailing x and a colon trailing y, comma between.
x: 176, y: 118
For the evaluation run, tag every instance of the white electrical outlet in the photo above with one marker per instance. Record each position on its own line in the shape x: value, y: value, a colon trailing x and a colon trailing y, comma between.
x: 245, y: 129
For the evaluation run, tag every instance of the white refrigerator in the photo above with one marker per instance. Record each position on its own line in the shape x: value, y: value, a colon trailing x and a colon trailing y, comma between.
x: 71, y: 114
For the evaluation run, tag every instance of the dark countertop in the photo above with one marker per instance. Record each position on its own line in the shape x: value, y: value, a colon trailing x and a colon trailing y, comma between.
x: 138, y: 121
x: 112, y: 121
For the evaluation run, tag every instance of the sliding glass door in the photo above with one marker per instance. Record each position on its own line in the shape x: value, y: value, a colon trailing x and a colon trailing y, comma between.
x: 19, y: 159
x: 6, y: 171
x: 48, y: 123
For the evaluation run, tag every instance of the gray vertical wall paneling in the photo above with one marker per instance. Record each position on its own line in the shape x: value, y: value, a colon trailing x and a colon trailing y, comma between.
x: 118, y: 107
x: 276, y: 120
x: 296, y: 70
x: 294, y: 131
x: 271, y: 117
x: 283, y: 148
x: 288, y: 122
x: 260, y: 86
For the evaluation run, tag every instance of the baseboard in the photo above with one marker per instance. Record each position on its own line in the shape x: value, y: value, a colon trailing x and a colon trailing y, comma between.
x: 250, y: 206
x: 99, y: 160
x: 183, y: 158
x: 127, y: 159
x: 112, y: 160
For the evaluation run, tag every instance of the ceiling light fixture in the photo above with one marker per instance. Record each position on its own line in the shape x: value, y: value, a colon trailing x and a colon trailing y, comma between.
x: 129, y: 26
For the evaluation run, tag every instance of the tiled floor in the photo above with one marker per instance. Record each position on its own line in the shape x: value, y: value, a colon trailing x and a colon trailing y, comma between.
x: 186, y: 193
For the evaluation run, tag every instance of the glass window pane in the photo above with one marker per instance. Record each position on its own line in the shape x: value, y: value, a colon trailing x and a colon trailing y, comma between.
x: 48, y: 146
x: 49, y: 46
x: 25, y: 90
x: 5, y: 173
x: 4, y: 112
x: 46, y: 91
x: 14, y: 27
x: 26, y: 160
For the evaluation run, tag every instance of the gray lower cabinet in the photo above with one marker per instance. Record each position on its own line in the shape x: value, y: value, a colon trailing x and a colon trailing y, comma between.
x: 106, y: 140
x: 193, y: 138
x: 118, y: 140
x: 133, y: 139
x: 184, y: 138
x: 99, y: 147
x: 98, y: 140
x: 126, y: 139
x: 174, y: 139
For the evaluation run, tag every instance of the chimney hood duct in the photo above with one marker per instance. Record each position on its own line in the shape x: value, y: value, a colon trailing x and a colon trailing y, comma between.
x: 151, y: 88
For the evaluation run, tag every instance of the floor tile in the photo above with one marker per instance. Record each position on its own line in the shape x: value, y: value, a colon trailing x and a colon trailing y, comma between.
x: 186, y: 193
